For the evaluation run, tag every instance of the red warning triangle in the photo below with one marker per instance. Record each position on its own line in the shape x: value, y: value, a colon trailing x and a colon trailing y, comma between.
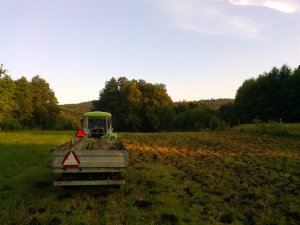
x: 80, y: 133
x: 71, y: 160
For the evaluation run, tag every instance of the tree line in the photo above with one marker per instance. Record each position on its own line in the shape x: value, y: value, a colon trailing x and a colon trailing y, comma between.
x: 27, y: 104
x: 137, y: 105
x: 272, y: 96
x: 141, y: 106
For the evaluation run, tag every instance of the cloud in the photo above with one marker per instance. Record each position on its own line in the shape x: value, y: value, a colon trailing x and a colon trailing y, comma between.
x: 208, y: 16
x: 285, y: 6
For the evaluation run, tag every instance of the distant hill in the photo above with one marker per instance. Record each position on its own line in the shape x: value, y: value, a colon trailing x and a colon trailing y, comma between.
x: 71, y: 114
x: 212, y: 103
x: 83, y: 107
x: 216, y: 103
x: 79, y: 107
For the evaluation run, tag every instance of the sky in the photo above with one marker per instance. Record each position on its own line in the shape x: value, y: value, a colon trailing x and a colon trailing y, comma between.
x: 200, y: 49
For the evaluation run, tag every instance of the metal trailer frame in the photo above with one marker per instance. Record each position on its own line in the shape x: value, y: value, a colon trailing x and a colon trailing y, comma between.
x: 97, y: 162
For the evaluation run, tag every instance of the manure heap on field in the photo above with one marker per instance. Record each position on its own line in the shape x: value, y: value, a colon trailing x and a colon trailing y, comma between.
x: 92, y: 144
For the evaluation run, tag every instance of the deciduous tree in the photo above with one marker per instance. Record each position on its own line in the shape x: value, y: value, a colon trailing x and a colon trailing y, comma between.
x: 7, y: 103
x: 23, y: 98
x: 45, y: 113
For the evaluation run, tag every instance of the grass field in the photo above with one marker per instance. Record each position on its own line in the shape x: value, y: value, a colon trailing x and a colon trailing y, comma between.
x: 173, y: 178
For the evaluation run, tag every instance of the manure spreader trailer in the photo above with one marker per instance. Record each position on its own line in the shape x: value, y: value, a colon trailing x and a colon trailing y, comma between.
x: 95, y: 156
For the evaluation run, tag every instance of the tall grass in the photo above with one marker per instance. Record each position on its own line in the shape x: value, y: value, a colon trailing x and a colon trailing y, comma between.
x: 275, y: 129
x: 25, y: 173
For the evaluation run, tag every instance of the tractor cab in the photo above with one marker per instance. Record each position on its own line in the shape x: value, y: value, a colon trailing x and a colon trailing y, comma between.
x: 98, y: 124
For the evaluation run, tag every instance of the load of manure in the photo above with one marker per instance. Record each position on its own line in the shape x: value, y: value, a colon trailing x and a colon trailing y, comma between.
x: 93, y: 144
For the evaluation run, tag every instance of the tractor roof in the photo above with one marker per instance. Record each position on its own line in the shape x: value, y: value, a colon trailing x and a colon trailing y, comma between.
x: 98, y: 114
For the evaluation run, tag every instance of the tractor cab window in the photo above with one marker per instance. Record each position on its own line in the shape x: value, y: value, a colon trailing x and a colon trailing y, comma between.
x: 97, y: 123
x: 97, y: 127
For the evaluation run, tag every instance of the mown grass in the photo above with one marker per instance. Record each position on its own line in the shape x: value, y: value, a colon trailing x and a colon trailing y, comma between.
x: 173, y: 178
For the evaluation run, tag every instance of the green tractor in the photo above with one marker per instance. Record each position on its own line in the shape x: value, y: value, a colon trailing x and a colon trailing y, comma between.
x: 98, y: 124
x: 95, y: 156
